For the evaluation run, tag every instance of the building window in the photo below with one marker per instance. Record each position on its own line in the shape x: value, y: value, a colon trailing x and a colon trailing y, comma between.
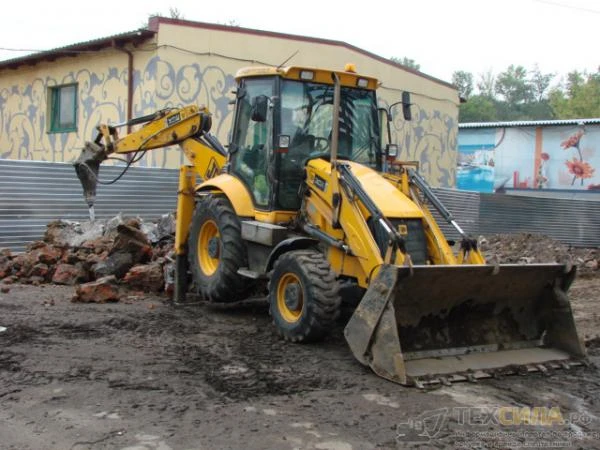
x: 63, y: 108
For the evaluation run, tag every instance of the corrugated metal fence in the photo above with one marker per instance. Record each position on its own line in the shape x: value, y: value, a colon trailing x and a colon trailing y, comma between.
x: 35, y: 193
x: 574, y: 222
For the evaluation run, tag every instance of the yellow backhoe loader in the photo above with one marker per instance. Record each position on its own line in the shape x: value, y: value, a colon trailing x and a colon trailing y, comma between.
x: 299, y: 204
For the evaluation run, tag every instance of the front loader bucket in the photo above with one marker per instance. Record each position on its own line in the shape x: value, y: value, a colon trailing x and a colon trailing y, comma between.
x: 436, y: 324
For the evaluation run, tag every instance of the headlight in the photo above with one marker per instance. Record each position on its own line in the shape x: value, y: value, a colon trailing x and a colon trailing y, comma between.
x: 362, y: 82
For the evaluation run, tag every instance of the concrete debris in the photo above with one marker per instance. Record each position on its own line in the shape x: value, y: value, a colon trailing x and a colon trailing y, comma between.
x: 104, y: 258
x: 527, y: 248
x: 66, y: 233
x: 164, y: 228
x: 116, y: 264
x: 100, y: 257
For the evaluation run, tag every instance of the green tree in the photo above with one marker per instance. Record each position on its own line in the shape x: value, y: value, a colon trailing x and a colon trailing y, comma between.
x: 486, y: 84
x: 463, y: 82
x: 539, y: 83
x: 512, y: 85
x: 580, y: 97
x: 479, y: 108
x: 408, y: 62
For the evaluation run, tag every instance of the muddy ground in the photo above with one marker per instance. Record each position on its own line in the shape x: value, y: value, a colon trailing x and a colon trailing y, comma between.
x: 140, y: 374
x: 143, y: 374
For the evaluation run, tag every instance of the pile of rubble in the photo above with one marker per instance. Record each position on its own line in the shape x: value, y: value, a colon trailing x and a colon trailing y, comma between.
x: 107, y: 259
x: 101, y: 258
x: 527, y: 248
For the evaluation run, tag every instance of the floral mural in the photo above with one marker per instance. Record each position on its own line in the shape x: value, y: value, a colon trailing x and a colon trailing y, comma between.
x: 561, y: 157
x: 580, y: 169
x: 541, y: 179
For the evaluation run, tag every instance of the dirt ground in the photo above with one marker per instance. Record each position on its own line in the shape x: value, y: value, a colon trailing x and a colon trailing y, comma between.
x: 143, y: 374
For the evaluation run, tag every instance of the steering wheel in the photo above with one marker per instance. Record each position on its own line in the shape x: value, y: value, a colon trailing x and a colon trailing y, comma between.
x: 320, y: 144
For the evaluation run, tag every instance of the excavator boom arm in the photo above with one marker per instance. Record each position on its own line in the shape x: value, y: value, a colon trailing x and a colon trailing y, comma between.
x: 188, y: 126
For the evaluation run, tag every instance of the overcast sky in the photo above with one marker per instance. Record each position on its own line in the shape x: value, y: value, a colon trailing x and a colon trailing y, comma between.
x: 441, y: 35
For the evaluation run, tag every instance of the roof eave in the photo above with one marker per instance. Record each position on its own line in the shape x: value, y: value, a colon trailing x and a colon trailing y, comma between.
x: 133, y: 37
x: 530, y: 123
x: 155, y: 21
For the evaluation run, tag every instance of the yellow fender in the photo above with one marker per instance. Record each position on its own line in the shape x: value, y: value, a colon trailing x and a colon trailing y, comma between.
x: 235, y: 191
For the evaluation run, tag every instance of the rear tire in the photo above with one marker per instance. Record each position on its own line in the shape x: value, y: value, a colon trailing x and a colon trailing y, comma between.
x: 303, y: 296
x: 216, y: 251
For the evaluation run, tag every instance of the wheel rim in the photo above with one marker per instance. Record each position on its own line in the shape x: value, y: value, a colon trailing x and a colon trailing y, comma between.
x: 209, y: 247
x: 290, y: 299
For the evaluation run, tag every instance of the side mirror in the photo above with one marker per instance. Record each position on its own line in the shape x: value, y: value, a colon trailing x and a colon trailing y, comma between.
x: 406, y: 106
x: 391, y: 150
x: 260, y: 106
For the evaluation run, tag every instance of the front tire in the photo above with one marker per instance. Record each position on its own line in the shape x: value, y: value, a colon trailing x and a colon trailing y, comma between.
x: 216, y: 250
x: 303, y: 296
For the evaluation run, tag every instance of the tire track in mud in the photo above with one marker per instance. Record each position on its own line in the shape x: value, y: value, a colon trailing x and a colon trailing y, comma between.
x: 235, y: 351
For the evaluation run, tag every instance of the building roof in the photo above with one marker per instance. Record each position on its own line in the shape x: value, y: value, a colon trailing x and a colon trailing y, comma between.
x: 529, y: 123
x: 117, y: 40
x: 155, y: 21
x: 153, y: 25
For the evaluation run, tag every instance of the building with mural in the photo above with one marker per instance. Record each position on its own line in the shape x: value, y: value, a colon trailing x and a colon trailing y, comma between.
x: 540, y: 155
x: 51, y: 102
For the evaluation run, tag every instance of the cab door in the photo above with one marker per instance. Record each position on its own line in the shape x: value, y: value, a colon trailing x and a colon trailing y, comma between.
x: 251, y: 147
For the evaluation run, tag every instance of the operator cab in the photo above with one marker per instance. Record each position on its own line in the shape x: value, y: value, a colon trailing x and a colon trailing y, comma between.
x: 284, y: 118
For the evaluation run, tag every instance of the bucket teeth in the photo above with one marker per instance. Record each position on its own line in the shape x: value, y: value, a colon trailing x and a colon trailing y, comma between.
x: 545, y: 369
x: 542, y: 369
x: 418, y: 383
x: 445, y: 381
x: 424, y: 325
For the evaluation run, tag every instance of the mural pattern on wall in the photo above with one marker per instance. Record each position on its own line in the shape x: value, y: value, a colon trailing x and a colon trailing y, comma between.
x: 188, y: 84
x: 577, y: 166
x: 430, y: 138
x: 102, y: 99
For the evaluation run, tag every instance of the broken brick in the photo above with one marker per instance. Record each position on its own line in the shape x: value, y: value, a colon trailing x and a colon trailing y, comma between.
x: 40, y: 270
x: 5, y: 268
x: 23, y: 263
x: 102, y: 290
x: 148, y: 277
x: 46, y: 254
x: 69, y: 274
x: 98, y: 245
x: 10, y: 279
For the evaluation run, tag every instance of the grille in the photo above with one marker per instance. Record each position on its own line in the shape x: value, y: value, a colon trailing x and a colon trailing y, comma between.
x: 413, y: 233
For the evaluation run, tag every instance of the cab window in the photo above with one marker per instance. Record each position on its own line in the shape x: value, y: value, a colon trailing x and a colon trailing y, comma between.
x: 251, y: 141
